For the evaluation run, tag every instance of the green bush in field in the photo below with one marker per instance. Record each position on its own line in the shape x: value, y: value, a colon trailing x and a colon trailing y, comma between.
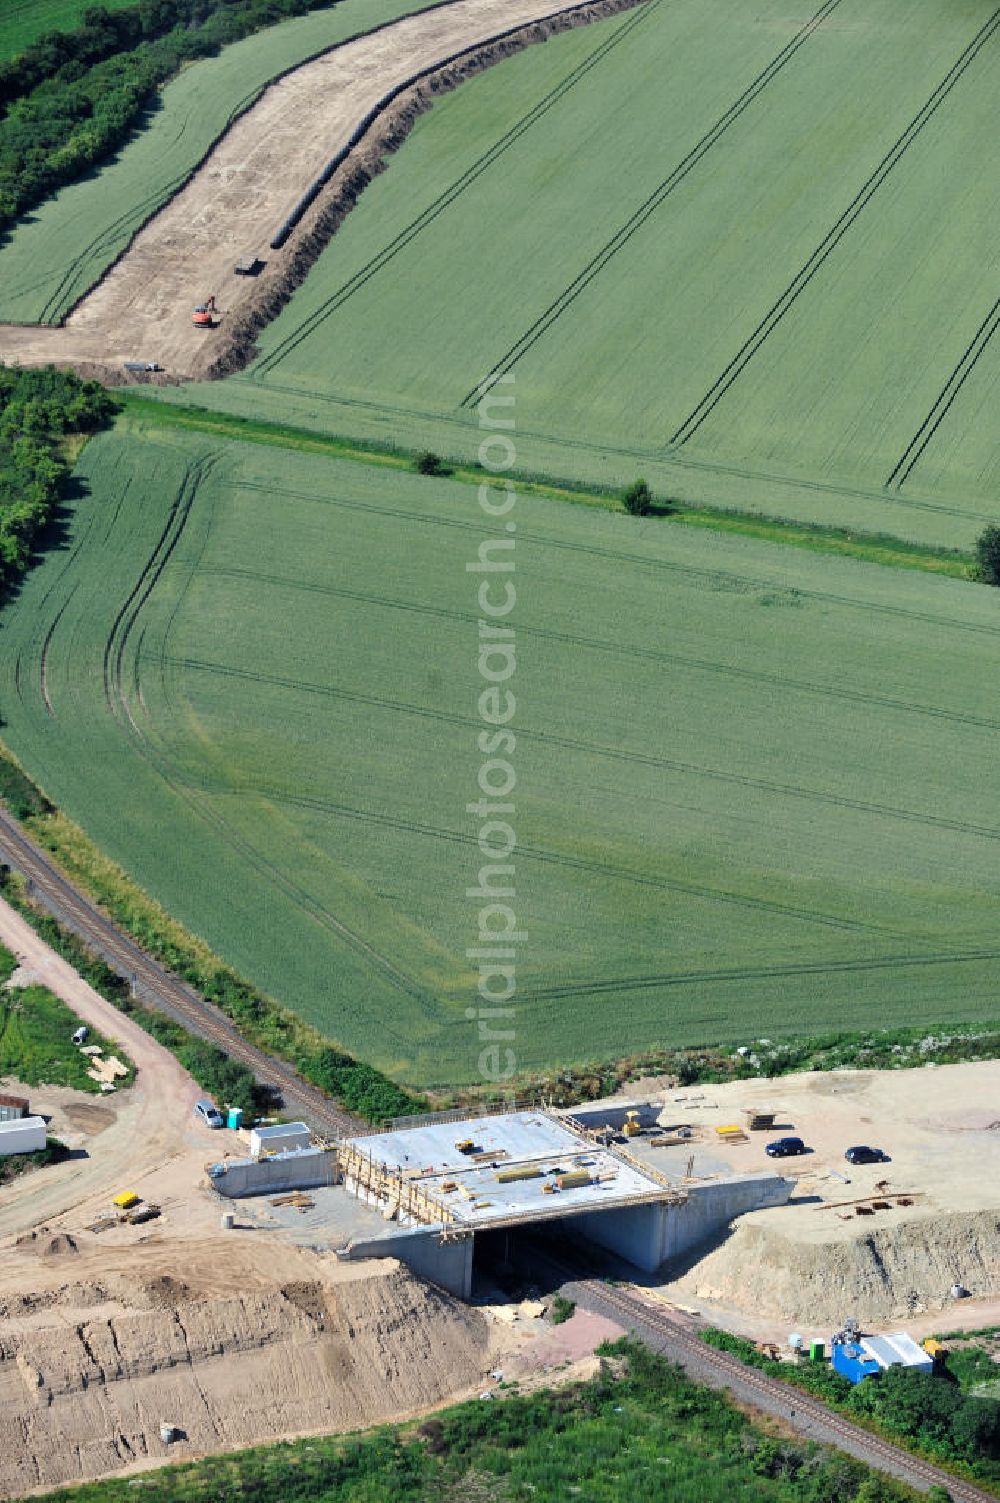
x: 638, y: 499
x: 561, y: 1310
x: 988, y: 555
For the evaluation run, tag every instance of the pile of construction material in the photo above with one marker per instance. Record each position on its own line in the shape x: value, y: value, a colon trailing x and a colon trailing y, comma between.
x: 105, y: 1070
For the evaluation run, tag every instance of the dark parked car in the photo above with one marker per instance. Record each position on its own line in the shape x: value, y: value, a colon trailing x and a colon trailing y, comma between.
x: 784, y: 1148
x: 865, y: 1155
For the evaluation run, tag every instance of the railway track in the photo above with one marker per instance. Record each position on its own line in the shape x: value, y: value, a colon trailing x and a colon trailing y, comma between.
x: 808, y: 1415
x: 161, y: 987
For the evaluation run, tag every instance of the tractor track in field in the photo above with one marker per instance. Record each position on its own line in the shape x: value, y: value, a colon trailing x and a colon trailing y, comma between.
x: 869, y: 189
x: 560, y: 858
x: 647, y: 208
x: 752, y: 973
x: 596, y: 749
x: 445, y: 199
x: 942, y: 404
x: 672, y: 1335
x: 43, y: 660
x: 724, y: 578
x: 160, y: 986
x: 113, y: 660
x: 628, y: 650
x: 128, y: 614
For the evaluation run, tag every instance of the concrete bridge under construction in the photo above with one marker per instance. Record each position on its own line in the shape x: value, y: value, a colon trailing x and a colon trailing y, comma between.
x: 440, y: 1182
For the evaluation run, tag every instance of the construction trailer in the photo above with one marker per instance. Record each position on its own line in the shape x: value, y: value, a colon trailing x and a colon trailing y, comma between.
x: 282, y: 1138
x: 867, y: 1355
x: 22, y: 1135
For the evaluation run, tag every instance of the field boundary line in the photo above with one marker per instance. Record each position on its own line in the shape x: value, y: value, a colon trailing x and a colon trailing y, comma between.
x: 649, y: 206
x: 868, y: 190
x: 658, y: 454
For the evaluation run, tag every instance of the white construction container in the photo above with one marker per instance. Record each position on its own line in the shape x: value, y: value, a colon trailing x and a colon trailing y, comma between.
x: 286, y: 1136
x: 26, y: 1135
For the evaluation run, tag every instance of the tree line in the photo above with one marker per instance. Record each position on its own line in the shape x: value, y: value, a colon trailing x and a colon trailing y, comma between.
x: 38, y: 409
x: 73, y: 97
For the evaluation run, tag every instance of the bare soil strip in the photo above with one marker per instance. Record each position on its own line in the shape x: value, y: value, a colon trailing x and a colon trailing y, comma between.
x: 248, y: 185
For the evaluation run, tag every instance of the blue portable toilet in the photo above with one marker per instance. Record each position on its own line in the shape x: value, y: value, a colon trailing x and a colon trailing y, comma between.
x: 234, y: 1117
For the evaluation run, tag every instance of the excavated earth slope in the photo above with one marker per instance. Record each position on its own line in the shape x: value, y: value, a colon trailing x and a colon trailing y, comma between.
x: 89, y: 1370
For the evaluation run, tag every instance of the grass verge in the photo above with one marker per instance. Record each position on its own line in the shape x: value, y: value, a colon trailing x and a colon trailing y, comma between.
x: 873, y: 548
x: 36, y: 1033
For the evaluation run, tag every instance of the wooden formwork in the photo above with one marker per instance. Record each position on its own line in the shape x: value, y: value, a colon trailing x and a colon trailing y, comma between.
x: 401, y: 1195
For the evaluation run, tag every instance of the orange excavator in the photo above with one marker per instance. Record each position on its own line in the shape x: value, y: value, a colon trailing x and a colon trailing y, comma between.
x: 203, y: 316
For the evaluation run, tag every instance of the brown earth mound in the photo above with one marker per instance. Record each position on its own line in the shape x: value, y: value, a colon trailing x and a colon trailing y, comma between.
x: 85, y: 1394
x: 884, y: 1273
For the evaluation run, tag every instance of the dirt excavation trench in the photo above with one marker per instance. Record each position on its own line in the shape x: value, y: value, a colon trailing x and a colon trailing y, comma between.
x: 248, y: 185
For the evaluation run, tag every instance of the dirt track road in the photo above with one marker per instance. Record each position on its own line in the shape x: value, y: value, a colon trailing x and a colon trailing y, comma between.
x: 154, y: 1118
x: 242, y: 193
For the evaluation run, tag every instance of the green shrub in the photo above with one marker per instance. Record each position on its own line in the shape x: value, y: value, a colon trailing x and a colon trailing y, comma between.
x: 638, y: 499
x: 561, y: 1309
x: 429, y: 463
x: 988, y: 555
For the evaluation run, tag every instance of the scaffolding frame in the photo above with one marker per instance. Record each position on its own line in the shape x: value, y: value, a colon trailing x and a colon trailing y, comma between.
x: 403, y: 1196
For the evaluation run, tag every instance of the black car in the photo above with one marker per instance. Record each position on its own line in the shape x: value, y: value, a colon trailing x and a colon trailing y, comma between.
x: 865, y: 1155
x: 784, y: 1148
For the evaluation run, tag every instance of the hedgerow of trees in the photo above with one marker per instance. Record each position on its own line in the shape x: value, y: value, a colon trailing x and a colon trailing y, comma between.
x: 73, y: 97
x: 38, y: 408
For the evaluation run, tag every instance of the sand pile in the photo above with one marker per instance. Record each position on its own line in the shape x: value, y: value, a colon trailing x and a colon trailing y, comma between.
x: 879, y: 1273
x: 84, y: 1396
